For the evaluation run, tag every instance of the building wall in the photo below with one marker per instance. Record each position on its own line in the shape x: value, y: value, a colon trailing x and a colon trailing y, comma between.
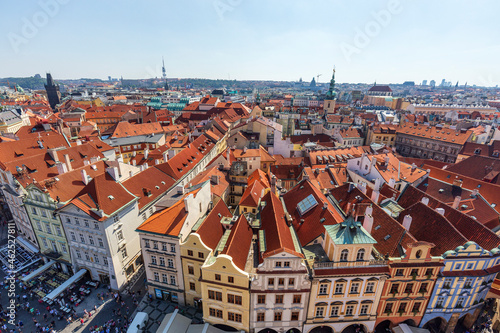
x: 412, y: 146
x: 193, y: 255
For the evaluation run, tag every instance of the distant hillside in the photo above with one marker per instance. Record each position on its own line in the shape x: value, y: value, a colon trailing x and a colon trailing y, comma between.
x: 32, y: 82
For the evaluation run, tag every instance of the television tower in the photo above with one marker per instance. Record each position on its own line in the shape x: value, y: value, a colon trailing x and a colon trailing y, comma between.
x: 164, y: 73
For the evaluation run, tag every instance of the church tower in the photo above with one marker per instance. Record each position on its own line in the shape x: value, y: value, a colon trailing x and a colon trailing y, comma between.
x: 53, y: 93
x: 331, y: 97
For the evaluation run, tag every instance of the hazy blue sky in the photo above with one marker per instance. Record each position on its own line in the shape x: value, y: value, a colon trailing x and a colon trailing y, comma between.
x: 253, y: 39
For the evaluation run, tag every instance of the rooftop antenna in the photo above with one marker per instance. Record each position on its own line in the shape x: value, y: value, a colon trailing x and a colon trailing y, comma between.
x: 164, y: 73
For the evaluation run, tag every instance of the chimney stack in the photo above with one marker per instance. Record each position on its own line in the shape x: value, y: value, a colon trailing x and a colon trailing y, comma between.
x: 53, y: 153
x: 146, y: 153
x: 407, y: 222
x: 68, y: 162
x: 85, y: 178
x: 165, y: 156
x: 113, y: 172
x: 368, y: 222
x: 440, y: 210
x: 61, y: 168
x: 392, y: 182
x: 214, y: 179
x: 456, y: 202
x: 377, y: 184
x: 425, y: 201
x: 375, y: 196
x: 474, y: 193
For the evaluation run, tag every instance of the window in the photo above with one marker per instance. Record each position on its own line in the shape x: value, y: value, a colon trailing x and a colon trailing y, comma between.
x: 78, y: 254
x: 77, y: 221
x: 47, y: 228
x: 101, y: 243
x: 349, y: 310
x: 68, y: 220
x: 343, y: 255
x: 119, y: 235
x: 192, y: 286
x: 230, y: 279
x: 33, y: 211
x: 96, y: 258
x: 402, y: 308
x: 355, y: 288
x: 172, y: 280
x: 155, y: 245
x: 281, y: 282
x: 231, y: 316
x: 295, y: 316
x: 399, y: 272
x: 360, y: 256
x: 388, y: 308
x: 278, y: 263
x: 162, y: 261
x: 468, y: 283
x: 63, y: 247
x: 164, y: 246
x: 409, y: 288
x: 217, y: 277
x: 82, y: 239
x: 286, y: 264
x: 144, y: 217
x: 423, y: 287
x: 428, y: 271
x: 470, y: 265
x: 191, y: 270
x: 234, y: 299
x: 297, y: 298
x: 307, y: 204
x: 364, y: 310
x: 190, y: 253
x: 261, y: 316
x: 201, y: 255
x: 414, y: 272
x: 73, y: 236
x: 170, y: 263
x: 157, y: 276
x: 91, y: 240
x: 277, y: 316
x: 447, y: 283
x: 416, y: 307
x: 58, y: 231
x: 172, y: 249
x: 323, y: 289
x: 146, y: 243
x: 39, y: 225
x: 153, y: 260
x: 86, y: 223
x: 96, y: 225
x: 320, y: 310
x: 270, y: 282
x: 124, y: 252
x: 369, y: 287
x: 394, y: 288
x: 261, y: 299
x: 87, y: 256
x: 440, y: 302
x: 216, y: 295
x: 339, y: 288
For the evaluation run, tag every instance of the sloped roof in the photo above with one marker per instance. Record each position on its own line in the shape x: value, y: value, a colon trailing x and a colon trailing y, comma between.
x: 238, y: 244
x: 211, y: 230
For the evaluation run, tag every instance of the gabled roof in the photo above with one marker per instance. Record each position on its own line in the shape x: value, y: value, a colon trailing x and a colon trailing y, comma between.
x: 238, y: 244
x: 211, y: 229
x: 125, y: 129
x: 278, y: 237
x: 166, y: 222
x: 252, y: 194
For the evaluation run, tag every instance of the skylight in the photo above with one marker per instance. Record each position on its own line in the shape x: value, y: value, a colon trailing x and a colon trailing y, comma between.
x: 307, y: 204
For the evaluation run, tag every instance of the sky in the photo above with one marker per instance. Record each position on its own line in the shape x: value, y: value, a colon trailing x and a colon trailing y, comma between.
x: 387, y: 41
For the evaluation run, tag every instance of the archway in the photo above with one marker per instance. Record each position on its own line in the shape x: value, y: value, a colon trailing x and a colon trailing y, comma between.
x: 268, y: 330
x: 355, y: 328
x: 465, y: 322
x: 436, y: 325
x: 321, y: 329
x: 384, y: 327
x: 410, y: 322
x: 293, y: 330
x: 226, y: 328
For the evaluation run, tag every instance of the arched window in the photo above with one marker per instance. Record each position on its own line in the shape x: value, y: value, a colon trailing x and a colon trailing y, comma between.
x: 343, y: 255
x: 361, y: 255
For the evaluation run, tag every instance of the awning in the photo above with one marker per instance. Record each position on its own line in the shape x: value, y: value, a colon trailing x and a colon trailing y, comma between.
x: 66, y: 284
x: 38, y: 271
x: 404, y: 328
x: 26, y: 244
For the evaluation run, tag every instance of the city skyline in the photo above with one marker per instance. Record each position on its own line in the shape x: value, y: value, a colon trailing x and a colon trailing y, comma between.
x: 386, y: 41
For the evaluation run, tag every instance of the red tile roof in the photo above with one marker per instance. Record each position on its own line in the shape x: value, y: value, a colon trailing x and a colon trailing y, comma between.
x: 239, y: 242
x: 211, y: 230
x: 166, y: 222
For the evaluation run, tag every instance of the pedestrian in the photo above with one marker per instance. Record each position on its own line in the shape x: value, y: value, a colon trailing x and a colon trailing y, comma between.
x: 81, y: 321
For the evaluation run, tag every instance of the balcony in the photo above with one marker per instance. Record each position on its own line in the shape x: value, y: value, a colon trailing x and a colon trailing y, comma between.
x: 344, y: 264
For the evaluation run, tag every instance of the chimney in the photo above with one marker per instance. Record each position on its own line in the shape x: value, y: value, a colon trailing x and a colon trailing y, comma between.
x: 85, y: 178
x: 214, y: 179
x: 53, y: 153
x: 457, y: 182
x: 375, y: 196
x: 113, y: 172
x: 305, y: 176
x: 456, y: 202
x: 157, y: 162
x: 368, y: 222
x: 369, y: 210
x: 392, y: 182
x: 130, y: 174
x: 377, y: 184
x: 407, y: 222
x: 180, y: 189
x: 61, y: 168
x: 245, y: 149
x: 372, y: 164
x: 68, y: 162
x: 440, y: 210
x: 146, y: 153
x: 386, y: 160
x: 425, y: 201
x: 474, y: 193
x: 362, y: 187
x: 165, y: 156
x: 78, y: 142
x: 350, y: 188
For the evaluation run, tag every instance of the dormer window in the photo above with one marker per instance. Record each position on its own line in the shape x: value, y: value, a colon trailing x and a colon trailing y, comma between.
x: 344, y: 255
x: 361, y: 255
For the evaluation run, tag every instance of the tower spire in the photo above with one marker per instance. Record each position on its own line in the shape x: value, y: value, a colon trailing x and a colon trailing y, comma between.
x: 164, y: 73
x: 331, y: 94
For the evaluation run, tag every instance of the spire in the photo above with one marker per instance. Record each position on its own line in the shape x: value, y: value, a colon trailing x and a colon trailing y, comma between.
x: 331, y: 94
x: 164, y: 73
